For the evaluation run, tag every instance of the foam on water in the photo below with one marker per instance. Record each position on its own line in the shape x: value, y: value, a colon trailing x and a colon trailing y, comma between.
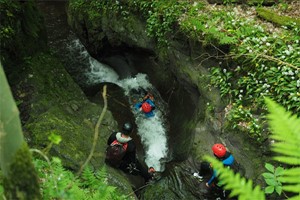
x: 101, y: 73
x: 139, y: 81
x: 154, y: 139
x: 151, y: 130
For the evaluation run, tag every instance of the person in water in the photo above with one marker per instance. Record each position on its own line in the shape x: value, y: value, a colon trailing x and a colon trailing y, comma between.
x: 147, y: 105
x: 129, y: 163
x: 221, y: 153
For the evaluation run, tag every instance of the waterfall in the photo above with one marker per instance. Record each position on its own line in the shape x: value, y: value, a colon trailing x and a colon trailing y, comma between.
x: 151, y: 130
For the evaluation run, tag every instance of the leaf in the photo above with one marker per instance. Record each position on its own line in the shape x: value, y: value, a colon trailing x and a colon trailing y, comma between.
x: 289, y: 179
x: 291, y: 150
x: 284, y: 126
x: 269, y: 189
x: 295, y: 197
x: 292, y: 188
x: 56, y: 160
x: 285, y: 129
x: 238, y: 185
x: 292, y: 172
x: 268, y: 175
x: 288, y: 160
x: 56, y: 139
x: 279, y: 171
x: 278, y: 189
x: 272, y: 182
x: 269, y: 167
x: 11, y: 136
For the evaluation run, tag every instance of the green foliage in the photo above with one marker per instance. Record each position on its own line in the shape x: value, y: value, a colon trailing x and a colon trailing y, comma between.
x: 21, y: 30
x: 272, y: 179
x: 31, y: 25
x: 238, y: 185
x: 59, y: 183
x: 286, y: 129
x: 54, y: 138
x: 241, y: 118
x: 21, y: 181
x: 162, y: 18
x: 266, y: 64
x: 222, y: 78
x: 1, y: 190
x: 8, y: 17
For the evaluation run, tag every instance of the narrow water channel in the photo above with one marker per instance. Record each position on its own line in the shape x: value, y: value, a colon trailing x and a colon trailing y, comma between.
x: 88, y: 72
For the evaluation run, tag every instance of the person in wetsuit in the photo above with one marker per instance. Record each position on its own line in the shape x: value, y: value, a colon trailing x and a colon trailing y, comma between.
x: 147, y: 106
x: 223, y: 155
x: 129, y: 162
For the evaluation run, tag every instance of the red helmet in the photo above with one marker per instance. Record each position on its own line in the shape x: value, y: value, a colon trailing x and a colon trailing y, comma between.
x: 219, y: 150
x: 146, y: 107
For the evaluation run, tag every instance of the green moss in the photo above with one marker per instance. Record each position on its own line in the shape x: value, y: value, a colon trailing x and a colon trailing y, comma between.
x: 22, y: 180
x: 22, y: 31
x: 277, y: 19
x: 260, y: 2
x: 162, y: 192
x: 59, y: 106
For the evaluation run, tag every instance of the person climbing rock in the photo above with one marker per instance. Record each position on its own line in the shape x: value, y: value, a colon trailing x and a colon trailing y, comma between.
x: 221, y: 153
x: 147, y: 105
x: 121, y: 153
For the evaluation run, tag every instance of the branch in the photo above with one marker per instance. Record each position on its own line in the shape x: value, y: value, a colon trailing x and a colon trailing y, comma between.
x: 271, y: 58
x: 96, y: 134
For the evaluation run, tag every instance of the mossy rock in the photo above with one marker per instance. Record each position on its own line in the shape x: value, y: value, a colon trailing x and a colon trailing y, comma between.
x: 22, y: 180
x: 59, y: 106
x: 275, y: 18
x: 103, y: 27
x: 249, y: 2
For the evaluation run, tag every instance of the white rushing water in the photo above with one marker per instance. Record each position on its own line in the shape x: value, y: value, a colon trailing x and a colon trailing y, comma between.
x: 151, y: 130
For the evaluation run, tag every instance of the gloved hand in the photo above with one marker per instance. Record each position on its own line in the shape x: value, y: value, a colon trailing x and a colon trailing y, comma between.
x: 132, y: 168
x: 196, y: 174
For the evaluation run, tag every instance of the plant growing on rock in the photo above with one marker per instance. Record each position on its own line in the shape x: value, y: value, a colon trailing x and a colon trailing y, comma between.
x: 272, y: 179
x: 285, y: 131
x: 262, y: 63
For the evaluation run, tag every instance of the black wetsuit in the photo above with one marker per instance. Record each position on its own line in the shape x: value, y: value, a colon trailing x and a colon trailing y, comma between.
x: 130, y: 158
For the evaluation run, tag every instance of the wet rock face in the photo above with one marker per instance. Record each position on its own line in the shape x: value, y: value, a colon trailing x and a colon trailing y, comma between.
x: 180, y: 182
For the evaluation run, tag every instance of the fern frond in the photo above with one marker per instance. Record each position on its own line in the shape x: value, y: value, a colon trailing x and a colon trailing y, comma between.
x: 288, y: 150
x: 286, y: 130
x: 285, y: 126
x: 102, y: 173
x: 295, y: 197
x: 238, y: 185
x: 89, y: 179
x: 293, y: 172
